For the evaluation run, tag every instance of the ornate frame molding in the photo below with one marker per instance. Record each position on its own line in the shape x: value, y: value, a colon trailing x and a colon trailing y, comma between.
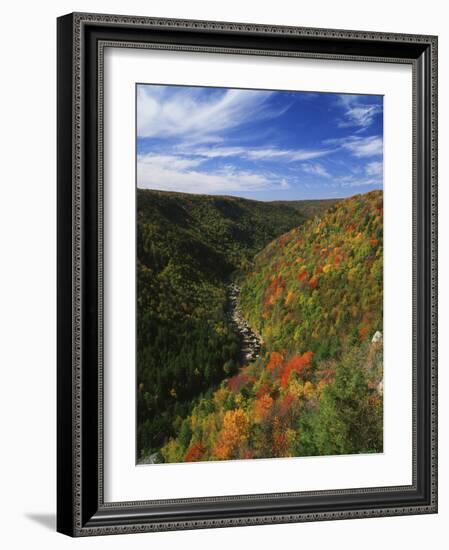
x: 82, y: 511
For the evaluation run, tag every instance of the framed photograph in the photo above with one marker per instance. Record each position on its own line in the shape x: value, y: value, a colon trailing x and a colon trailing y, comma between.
x: 247, y: 283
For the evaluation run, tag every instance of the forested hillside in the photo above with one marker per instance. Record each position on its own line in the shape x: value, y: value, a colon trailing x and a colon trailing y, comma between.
x: 319, y: 287
x: 188, y: 246
x: 315, y: 296
x: 309, y: 208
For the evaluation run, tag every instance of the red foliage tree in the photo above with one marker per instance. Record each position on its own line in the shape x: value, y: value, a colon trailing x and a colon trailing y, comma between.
x: 286, y: 403
x: 313, y: 282
x: 274, y: 290
x: 264, y: 388
x: 195, y: 452
x: 299, y: 364
x: 363, y: 332
x: 236, y: 383
x: 275, y: 361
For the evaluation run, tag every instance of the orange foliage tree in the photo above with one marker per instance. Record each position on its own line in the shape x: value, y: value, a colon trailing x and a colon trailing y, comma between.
x: 232, y: 435
x: 262, y: 407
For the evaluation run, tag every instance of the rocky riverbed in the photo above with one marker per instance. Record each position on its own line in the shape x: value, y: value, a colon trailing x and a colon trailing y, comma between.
x: 251, y: 340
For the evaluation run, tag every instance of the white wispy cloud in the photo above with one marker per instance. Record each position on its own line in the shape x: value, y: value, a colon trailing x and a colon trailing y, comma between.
x: 165, y: 112
x: 213, y: 152
x: 374, y: 168
x: 365, y: 147
x: 315, y: 170
x: 358, y: 111
x: 286, y: 154
x: 170, y: 173
x: 369, y: 146
x: 174, y: 161
x: 264, y: 154
x: 353, y: 180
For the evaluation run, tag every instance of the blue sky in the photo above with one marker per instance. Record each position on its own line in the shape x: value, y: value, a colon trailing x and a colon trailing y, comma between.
x: 258, y: 144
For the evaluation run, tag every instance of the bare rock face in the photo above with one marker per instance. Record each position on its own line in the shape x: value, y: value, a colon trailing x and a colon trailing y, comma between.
x: 377, y: 338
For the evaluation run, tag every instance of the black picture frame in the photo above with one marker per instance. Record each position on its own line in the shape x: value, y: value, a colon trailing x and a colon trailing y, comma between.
x: 81, y: 510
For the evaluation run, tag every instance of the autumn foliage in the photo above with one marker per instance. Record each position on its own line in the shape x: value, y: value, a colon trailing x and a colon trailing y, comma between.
x: 316, y: 297
x: 275, y: 361
x: 194, y: 453
x: 232, y: 434
x: 262, y: 406
x: 321, y: 289
x: 299, y: 364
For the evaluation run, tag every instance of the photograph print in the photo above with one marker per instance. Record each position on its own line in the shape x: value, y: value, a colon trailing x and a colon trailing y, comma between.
x: 259, y: 274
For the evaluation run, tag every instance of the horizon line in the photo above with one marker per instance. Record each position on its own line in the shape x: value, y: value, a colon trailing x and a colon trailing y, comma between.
x: 253, y: 200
